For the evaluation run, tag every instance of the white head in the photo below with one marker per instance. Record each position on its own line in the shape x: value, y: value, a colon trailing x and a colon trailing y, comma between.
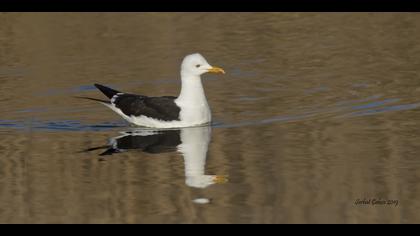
x: 196, y: 65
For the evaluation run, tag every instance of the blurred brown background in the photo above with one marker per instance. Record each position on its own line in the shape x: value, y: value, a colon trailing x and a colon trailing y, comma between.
x: 316, y: 111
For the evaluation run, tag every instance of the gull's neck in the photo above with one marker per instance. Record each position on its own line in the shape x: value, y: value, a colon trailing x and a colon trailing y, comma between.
x: 194, y: 147
x: 192, y: 91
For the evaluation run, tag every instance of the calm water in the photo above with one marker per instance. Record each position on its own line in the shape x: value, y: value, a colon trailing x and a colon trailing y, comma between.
x: 316, y: 112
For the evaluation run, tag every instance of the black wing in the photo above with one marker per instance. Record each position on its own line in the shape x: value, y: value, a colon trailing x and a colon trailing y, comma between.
x: 162, y: 108
x: 109, y: 92
x: 166, y: 141
x: 161, y: 142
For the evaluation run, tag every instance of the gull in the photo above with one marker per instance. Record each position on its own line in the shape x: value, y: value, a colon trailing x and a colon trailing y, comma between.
x: 190, y: 108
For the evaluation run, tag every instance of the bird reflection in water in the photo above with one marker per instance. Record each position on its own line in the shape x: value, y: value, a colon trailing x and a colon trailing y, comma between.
x: 191, y: 142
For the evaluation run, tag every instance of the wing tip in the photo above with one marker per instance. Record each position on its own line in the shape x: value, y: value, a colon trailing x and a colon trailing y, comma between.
x: 109, y: 92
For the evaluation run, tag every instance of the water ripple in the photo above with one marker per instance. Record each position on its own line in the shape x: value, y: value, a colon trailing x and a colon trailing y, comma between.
x: 344, y: 109
x: 382, y: 110
x: 60, y: 125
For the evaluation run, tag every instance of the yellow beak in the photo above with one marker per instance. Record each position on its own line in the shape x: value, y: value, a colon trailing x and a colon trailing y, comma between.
x: 220, y: 179
x: 216, y: 70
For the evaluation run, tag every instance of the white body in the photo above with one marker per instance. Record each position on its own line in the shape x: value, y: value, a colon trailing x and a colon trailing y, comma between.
x: 194, y: 146
x: 194, y: 111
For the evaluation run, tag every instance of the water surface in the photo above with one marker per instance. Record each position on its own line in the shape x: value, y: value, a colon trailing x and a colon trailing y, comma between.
x: 316, y: 111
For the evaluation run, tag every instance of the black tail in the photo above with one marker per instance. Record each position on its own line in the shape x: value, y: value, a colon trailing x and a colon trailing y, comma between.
x: 107, y: 91
x: 108, y: 151
x: 95, y: 148
x: 93, y: 99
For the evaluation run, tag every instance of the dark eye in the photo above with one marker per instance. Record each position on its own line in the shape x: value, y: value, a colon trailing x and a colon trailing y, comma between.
x: 198, y: 65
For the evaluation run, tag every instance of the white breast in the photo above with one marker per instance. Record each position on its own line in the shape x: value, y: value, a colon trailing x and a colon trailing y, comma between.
x: 194, y: 113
